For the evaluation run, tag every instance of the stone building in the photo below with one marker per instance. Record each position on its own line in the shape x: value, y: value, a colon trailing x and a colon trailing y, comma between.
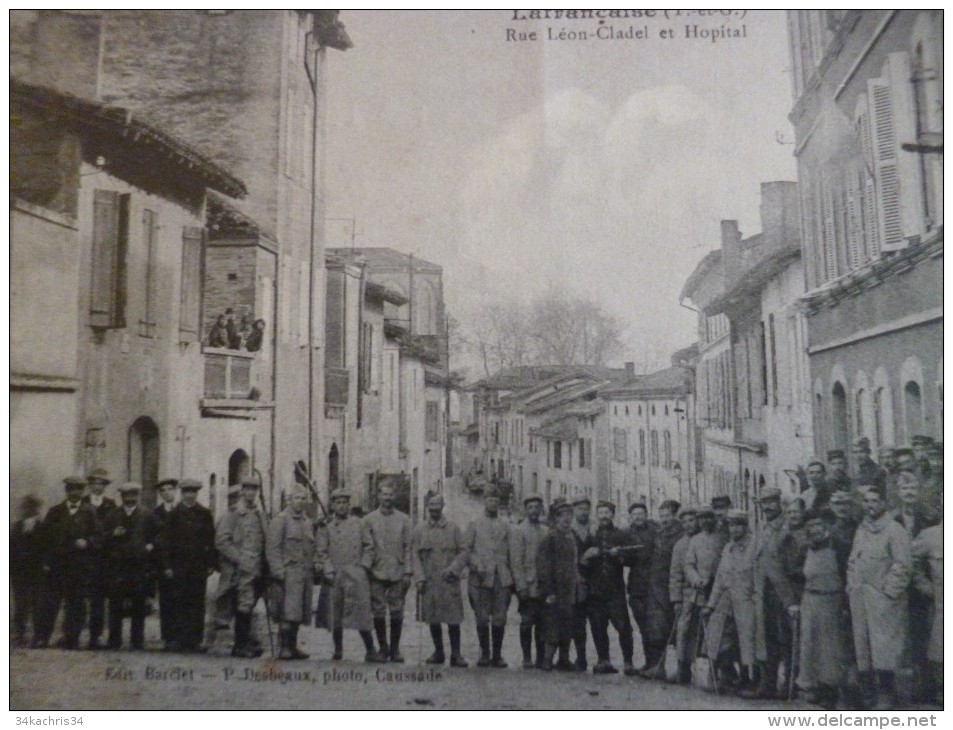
x: 868, y: 119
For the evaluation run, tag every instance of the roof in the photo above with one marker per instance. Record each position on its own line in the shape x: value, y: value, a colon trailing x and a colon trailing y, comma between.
x: 519, y: 377
x: 754, y: 279
x: 709, y: 262
x: 373, y: 290
x: 671, y: 381
x: 158, y: 147
x: 386, y: 258
x: 565, y: 428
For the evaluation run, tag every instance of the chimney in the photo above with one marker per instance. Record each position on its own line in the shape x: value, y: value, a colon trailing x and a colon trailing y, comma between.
x: 630, y: 369
x: 730, y: 251
x: 779, y: 214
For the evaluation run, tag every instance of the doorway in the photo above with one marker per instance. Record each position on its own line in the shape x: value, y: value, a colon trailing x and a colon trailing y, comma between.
x: 143, y: 461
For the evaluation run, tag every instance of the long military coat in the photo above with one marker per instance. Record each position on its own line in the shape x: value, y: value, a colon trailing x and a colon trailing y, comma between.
x: 825, y: 625
x: 660, y: 615
x: 732, y: 596
x: 290, y: 550
x: 240, y: 541
x: 526, y: 539
x: 487, y: 541
x: 438, y: 546
x: 387, y: 545
x: 928, y: 552
x: 346, y: 602
x: 678, y: 588
x: 701, y: 562
x: 557, y: 570
x: 769, y: 575
x: 878, y: 574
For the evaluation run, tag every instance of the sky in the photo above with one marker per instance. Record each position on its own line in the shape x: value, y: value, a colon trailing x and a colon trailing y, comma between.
x: 600, y: 168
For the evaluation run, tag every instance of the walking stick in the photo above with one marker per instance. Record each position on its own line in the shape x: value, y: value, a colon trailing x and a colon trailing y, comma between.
x: 795, y: 655
x: 301, y: 470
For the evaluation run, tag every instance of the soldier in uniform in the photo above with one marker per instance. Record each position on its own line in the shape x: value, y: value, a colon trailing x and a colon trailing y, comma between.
x: 933, y: 487
x: 26, y: 570
x: 348, y: 590
x: 794, y: 544
x: 488, y: 542
x: 526, y: 539
x: 69, y: 540
x: 157, y: 521
x: 866, y: 469
x: 682, y: 596
x: 659, y: 614
x: 606, y: 553
x: 818, y: 492
x: 581, y: 530
x: 557, y: 570
x: 641, y: 535
x: 920, y: 444
x: 878, y: 574
x: 225, y: 591
x: 290, y: 550
x: 721, y: 504
x: 127, y: 552
x: 96, y: 483
x: 700, y: 564
x: 187, y: 554
x: 240, y: 541
x: 439, y: 556
x: 387, y: 557
x: 775, y: 598
x: 844, y: 525
x: 928, y: 577
x: 839, y: 478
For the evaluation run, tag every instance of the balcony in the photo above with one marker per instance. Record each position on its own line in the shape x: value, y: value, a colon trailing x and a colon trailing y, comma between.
x: 229, y: 385
x: 336, y: 383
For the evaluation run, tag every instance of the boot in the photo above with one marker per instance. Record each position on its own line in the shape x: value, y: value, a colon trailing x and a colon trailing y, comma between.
x: 684, y: 673
x: 548, y: 653
x: 380, y: 628
x: 562, y: 661
x: 540, y: 648
x: 603, y: 666
x: 483, y: 636
x: 456, y: 658
x: 526, y: 644
x: 337, y: 635
x: 242, y: 648
x: 396, y: 626
x: 767, y: 685
x: 497, y: 660
x: 284, y: 642
x: 371, y: 656
x: 296, y: 653
x: 886, y: 697
x: 436, y: 635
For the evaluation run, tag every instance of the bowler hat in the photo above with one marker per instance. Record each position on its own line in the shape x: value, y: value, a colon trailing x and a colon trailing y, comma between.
x: 190, y: 485
x: 129, y: 487
x: 99, y: 476
x: 74, y: 482
x: 638, y: 504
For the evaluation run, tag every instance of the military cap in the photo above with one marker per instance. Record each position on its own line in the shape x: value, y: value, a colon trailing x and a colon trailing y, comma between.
x: 705, y: 511
x: 737, y: 515
x: 562, y: 507
x: 166, y: 482
x: 532, y: 498
x: 74, y: 482
x: 817, y: 461
x: 296, y: 487
x: 920, y: 440
x: 903, y: 451
x: 905, y: 475
x: 862, y: 443
x: 190, y: 485
x: 769, y: 494
x: 876, y: 490
x: 688, y: 509
x: 671, y: 505
x: 841, y: 497
x: 638, y: 504
x: 100, y: 476
x: 607, y: 504
x: 581, y: 500
x: 251, y: 481
x: 130, y: 487
x: 721, y: 500
x: 836, y: 454
x: 339, y: 494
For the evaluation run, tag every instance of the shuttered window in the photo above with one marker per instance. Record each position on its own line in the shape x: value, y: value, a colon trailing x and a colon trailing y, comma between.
x: 191, y: 292
x: 107, y: 306
x: 619, y: 444
x: 150, y: 240
x: 830, y: 234
x: 884, y: 146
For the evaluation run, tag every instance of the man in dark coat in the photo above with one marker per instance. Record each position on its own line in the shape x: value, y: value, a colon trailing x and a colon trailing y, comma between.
x: 721, y: 505
x: 70, y: 538
x: 920, y: 444
x: 157, y: 521
x: 818, y: 492
x: 187, y: 553
x: 526, y: 538
x: 26, y: 571
x: 96, y: 482
x: 842, y: 530
x: 581, y: 529
x: 660, y: 616
x: 557, y: 573
x: 866, y: 471
x: 839, y: 478
x: 126, y: 555
x: 932, y: 495
x: 642, y: 534
x: 606, y: 553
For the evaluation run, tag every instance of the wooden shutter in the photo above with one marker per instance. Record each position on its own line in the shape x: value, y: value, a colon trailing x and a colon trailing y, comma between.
x: 150, y: 237
x: 855, y: 227
x: 190, y: 294
x: 334, y: 320
x: 107, y: 306
x: 830, y: 234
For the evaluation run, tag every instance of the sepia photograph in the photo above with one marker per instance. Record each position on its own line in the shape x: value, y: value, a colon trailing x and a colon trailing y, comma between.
x: 476, y: 360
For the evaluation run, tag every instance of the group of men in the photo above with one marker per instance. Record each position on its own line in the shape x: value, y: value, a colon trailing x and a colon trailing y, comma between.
x: 842, y: 584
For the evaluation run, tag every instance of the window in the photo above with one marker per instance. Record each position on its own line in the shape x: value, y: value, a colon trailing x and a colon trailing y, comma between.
x: 150, y: 284
x: 839, y: 416
x: 653, y: 409
x: 667, y: 444
x: 557, y: 454
x: 569, y: 455
x: 859, y: 424
x: 190, y: 293
x: 913, y: 409
x: 582, y: 453
x: 107, y: 307
x: 615, y: 410
x: 878, y: 416
x: 618, y: 444
x: 431, y: 421
x: 764, y: 364
x: 774, y: 360
x: 642, y: 447
x: 655, y: 459
x: 666, y: 409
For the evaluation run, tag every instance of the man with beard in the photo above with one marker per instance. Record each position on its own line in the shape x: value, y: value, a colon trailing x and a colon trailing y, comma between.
x: 866, y: 469
x: 487, y: 541
x: 659, y: 614
x: 69, y: 538
x: 682, y: 595
x: 96, y: 482
x: 126, y: 552
x: 187, y: 554
x: 526, y: 539
x: 439, y: 556
x: 387, y: 558
x: 818, y: 492
x: 642, y: 536
x: 775, y: 599
x: 606, y: 553
x: 878, y: 574
x: 581, y: 530
x: 290, y: 550
x: 557, y: 570
x: 346, y: 584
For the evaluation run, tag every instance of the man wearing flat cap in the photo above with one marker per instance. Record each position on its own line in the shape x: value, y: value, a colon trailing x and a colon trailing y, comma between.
x: 70, y: 536
x: 774, y: 595
x: 127, y: 552
x: 642, y: 533
x: 346, y: 593
x: 560, y: 586
x: 187, y: 554
x: 606, y: 553
x: 488, y: 548
x: 96, y: 482
x: 581, y: 530
x: 165, y: 490
x: 240, y: 541
x: 526, y: 539
x: 681, y: 594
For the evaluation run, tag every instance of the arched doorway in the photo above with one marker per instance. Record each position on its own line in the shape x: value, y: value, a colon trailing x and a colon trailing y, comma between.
x: 839, y: 416
x: 142, y: 463
x: 239, y: 466
x: 913, y: 409
x: 333, y: 468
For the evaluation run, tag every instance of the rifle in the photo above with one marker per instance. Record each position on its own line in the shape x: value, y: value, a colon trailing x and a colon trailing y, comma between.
x: 303, y: 472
